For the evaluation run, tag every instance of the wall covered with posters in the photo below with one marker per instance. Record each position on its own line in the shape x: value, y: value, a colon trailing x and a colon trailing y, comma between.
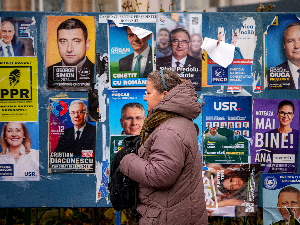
x: 62, y: 70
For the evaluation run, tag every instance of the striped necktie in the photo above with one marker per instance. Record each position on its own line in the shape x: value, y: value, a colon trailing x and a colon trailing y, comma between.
x: 8, y: 51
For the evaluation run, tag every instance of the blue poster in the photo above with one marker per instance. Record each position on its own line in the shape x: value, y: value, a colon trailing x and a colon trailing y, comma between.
x: 134, y: 108
x: 281, y: 199
x: 242, y: 34
x: 226, y: 129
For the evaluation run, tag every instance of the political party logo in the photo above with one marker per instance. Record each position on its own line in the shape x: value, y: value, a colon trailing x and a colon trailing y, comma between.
x: 16, y: 83
x: 270, y: 182
x: 14, y: 77
x: 161, y: 20
x: 87, y: 153
x: 219, y: 74
x: 59, y: 108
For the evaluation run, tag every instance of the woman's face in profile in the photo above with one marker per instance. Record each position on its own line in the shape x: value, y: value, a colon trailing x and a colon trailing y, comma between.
x: 285, y: 115
x: 14, y: 134
x: 234, y: 183
x: 196, y: 43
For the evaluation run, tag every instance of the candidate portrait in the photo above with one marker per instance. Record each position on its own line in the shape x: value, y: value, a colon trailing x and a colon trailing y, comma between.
x: 81, y: 136
x: 188, y: 67
x: 286, y: 75
x: 75, y: 67
x: 7, y: 47
x: 132, y: 118
x: 141, y: 59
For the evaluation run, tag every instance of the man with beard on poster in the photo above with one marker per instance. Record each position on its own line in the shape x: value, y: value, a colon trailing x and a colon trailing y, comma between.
x: 286, y: 75
x: 82, y: 136
x: 73, y: 43
x: 141, y: 59
x: 186, y: 66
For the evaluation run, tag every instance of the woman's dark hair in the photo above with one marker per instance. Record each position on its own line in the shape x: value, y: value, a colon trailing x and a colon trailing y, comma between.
x: 286, y: 102
x: 241, y: 171
x: 171, y: 77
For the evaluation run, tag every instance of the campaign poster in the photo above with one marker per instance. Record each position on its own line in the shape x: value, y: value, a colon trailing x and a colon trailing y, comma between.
x: 281, y: 199
x: 226, y: 129
x: 17, y: 36
x: 131, y: 58
x: 231, y: 189
x: 183, y: 52
x: 72, y: 138
x: 280, y: 64
x: 198, y: 125
x: 275, y: 135
x: 70, y: 55
x: 127, y: 111
x: 18, y: 89
x: 240, y: 33
x: 19, y: 151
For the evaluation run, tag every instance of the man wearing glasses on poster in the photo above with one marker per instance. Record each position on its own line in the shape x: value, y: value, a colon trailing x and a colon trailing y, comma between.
x: 186, y: 66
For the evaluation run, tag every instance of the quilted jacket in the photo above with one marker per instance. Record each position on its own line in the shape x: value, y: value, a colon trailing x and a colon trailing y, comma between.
x: 168, y: 166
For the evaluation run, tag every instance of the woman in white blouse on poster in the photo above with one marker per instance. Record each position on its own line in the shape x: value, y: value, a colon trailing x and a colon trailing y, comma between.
x: 18, y: 162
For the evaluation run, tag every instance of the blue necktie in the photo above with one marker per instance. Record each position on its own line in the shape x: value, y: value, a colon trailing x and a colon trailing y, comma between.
x: 138, y: 63
x: 8, y: 51
x: 177, y: 63
x: 298, y: 78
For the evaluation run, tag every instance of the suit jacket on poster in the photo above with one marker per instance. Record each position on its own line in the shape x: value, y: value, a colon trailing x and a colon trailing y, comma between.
x: 282, y: 67
x: 87, y: 66
x: 126, y: 62
x: 87, y: 141
x: 189, y: 62
x: 17, y: 49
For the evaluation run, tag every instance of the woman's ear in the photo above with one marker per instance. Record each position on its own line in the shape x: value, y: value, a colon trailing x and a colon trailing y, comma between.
x: 164, y: 93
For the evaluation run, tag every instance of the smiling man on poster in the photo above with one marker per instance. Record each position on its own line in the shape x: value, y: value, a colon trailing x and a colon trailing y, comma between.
x: 75, y: 69
x: 187, y: 67
x: 7, y: 34
x: 141, y: 59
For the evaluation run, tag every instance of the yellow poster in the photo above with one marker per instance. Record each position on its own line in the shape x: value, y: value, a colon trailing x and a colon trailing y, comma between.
x: 18, y: 89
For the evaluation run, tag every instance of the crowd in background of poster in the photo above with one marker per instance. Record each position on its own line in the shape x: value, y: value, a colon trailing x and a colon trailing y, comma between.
x: 226, y: 129
x: 182, y: 47
x: 275, y: 135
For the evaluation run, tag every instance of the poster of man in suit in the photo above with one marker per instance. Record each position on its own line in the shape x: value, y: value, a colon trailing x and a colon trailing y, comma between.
x: 282, y: 60
x: 184, y: 31
x: 17, y: 36
x: 131, y: 54
x: 72, y: 139
x: 70, y: 52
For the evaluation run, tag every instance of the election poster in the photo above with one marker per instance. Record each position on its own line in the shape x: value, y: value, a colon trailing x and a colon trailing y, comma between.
x: 131, y: 54
x: 18, y: 89
x: 72, y: 139
x: 70, y: 55
x: 178, y: 45
x: 231, y: 189
x: 19, y: 151
x: 281, y: 199
x: 226, y: 129
x: 281, y: 61
x: 17, y: 36
x: 127, y: 111
x: 241, y: 34
x: 275, y: 135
